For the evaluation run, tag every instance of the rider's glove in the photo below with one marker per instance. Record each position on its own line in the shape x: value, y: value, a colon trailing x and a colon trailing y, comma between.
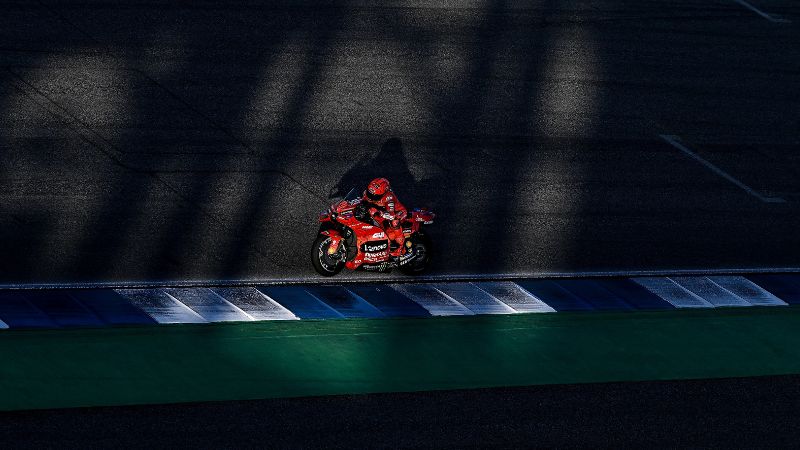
x: 387, y: 216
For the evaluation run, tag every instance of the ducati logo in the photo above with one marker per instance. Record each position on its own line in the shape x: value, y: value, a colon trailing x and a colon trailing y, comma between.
x: 376, y: 257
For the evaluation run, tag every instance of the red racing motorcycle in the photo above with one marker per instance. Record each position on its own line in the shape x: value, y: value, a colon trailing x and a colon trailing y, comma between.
x: 349, y: 237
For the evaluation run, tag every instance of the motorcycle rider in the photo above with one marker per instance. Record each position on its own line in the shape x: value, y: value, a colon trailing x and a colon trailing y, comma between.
x: 383, y: 206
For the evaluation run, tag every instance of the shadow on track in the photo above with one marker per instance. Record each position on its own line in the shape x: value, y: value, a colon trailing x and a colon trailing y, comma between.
x: 390, y: 162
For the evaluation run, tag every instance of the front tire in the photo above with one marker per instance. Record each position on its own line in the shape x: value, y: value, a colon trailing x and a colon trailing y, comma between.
x: 422, y: 245
x: 324, y: 264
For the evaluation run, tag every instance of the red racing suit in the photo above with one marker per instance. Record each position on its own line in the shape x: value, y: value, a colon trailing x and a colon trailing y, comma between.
x: 389, y: 213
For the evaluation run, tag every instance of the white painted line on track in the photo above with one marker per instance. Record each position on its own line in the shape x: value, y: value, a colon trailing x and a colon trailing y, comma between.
x: 210, y: 305
x: 747, y: 290
x: 474, y: 298
x: 762, y: 13
x: 162, y: 307
x: 672, y: 292
x: 674, y: 141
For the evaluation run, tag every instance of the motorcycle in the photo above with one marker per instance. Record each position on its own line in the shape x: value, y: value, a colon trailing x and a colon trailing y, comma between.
x: 349, y: 237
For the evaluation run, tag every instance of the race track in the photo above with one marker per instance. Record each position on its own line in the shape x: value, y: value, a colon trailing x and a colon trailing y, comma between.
x: 151, y: 141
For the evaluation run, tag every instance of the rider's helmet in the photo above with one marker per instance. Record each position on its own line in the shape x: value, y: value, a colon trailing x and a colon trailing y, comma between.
x: 377, y: 188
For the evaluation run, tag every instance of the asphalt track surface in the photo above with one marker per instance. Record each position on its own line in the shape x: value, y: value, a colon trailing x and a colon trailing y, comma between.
x: 148, y: 140
x: 730, y: 413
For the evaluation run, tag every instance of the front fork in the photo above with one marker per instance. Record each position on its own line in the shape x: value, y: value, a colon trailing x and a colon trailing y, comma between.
x: 336, y: 241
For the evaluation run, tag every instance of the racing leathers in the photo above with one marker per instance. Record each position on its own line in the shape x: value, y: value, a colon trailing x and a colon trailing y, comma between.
x: 389, y: 213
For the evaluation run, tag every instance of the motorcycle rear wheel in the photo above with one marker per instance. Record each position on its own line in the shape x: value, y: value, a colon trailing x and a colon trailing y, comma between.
x: 324, y: 264
x: 422, y: 245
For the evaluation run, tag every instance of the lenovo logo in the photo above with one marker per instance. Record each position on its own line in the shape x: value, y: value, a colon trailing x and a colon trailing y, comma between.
x: 375, y: 247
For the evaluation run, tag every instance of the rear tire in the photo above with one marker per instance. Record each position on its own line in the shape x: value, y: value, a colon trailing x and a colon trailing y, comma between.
x: 418, y: 265
x: 324, y: 264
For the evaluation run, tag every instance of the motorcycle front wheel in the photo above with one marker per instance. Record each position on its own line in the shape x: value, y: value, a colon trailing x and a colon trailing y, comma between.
x: 325, y: 264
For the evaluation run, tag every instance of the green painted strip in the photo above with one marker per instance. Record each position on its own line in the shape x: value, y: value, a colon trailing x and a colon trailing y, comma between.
x: 62, y: 368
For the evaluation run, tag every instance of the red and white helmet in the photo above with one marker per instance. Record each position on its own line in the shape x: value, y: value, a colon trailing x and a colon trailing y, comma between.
x: 377, y: 188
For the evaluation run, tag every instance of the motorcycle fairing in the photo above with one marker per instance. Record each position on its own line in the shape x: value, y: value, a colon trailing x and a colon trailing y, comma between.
x: 342, y: 215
